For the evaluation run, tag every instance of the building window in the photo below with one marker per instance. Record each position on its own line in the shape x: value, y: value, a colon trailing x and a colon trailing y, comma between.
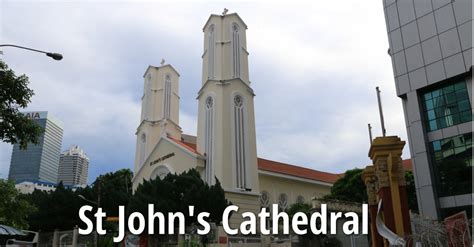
x: 265, y: 203
x: 146, y: 98
x: 167, y: 97
x: 142, y: 148
x: 265, y: 199
x: 283, y: 202
x: 300, y: 199
x: 452, y: 159
x: 447, y: 106
x: 209, y: 136
x: 211, y: 51
x: 236, y: 49
x: 239, y: 143
x: 160, y: 172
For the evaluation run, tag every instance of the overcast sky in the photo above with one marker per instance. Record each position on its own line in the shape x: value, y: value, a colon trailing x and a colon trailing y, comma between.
x: 313, y: 65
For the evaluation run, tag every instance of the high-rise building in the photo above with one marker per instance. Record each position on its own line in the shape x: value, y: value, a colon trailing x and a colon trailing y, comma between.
x: 73, y: 166
x: 431, y: 52
x: 39, y: 162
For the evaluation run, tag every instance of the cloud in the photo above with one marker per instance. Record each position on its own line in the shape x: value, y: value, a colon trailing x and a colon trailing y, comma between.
x: 313, y: 65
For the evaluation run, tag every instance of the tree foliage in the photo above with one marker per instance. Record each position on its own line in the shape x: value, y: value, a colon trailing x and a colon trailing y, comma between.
x: 115, y: 190
x: 15, y: 95
x: 59, y: 209
x: 14, y: 208
x: 175, y: 193
x: 411, y: 191
x: 349, y: 188
x: 299, y: 207
x: 352, y: 188
x: 56, y: 210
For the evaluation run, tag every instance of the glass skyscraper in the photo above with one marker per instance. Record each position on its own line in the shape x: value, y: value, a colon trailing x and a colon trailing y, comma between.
x: 39, y: 162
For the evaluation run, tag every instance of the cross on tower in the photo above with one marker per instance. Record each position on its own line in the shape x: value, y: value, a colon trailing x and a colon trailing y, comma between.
x: 225, y: 11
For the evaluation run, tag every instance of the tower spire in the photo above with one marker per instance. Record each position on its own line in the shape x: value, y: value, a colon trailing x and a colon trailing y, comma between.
x: 227, y: 138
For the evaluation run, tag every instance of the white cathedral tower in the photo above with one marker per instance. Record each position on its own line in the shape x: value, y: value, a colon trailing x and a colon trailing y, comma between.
x: 226, y: 119
x: 160, y: 110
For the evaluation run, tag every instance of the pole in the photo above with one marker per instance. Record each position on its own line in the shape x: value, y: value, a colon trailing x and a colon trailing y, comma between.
x: 370, y: 133
x: 380, y: 112
x: 55, y: 56
x: 96, y: 237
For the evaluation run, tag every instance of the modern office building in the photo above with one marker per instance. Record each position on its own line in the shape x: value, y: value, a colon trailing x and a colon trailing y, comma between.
x: 73, y: 166
x: 39, y: 162
x: 431, y: 52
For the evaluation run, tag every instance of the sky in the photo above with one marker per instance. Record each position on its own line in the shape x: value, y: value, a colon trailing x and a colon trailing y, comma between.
x: 314, y: 66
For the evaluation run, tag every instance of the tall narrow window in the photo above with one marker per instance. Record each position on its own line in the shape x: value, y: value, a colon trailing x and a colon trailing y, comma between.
x: 212, y: 43
x: 167, y: 97
x: 146, y: 98
x: 142, y: 149
x: 236, y: 49
x: 282, y: 202
x: 239, y: 142
x: 209, y: 134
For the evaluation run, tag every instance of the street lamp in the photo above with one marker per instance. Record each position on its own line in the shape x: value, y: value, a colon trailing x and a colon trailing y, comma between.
x: 85, y: 199
x: 97, y: 204
x: 55, y: 56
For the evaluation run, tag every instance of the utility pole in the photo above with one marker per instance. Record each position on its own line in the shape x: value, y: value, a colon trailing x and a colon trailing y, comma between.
x: 380, y: 112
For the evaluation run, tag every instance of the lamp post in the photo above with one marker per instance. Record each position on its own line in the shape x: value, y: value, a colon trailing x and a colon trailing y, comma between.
x: 55, y: 56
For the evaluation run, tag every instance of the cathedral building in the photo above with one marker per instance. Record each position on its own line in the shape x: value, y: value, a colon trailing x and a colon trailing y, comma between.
x: 225, y: 146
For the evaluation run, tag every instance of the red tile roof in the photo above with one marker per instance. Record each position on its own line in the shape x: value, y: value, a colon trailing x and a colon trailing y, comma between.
x: 407, y: 165
x: 292, y: 170
x: 297, y: 171
x: 189, y: 146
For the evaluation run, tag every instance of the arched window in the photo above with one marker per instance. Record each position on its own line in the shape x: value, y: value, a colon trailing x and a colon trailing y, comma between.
x: 211, y: 51
x: 265, y: 203
x: 283, y: 201
x: 146, y: 98
x: 167, y: 97
x: 236, y: 49
x: 239, y: 142
x: 160, y: 171
x: 209, y: 136
x: 264, y: 200
x: 142, y: 148
x: 300, y: 199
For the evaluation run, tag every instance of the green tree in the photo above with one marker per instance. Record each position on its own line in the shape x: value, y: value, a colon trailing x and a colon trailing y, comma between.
x: 349, y: 188
x: 115, y: 190
x: 59, y: 209
x: 299, y: 207
x: 411, y: 191
x: 15, y: 95
x: 352, y: 188
x: 175, y: 193
x: 56, y: 210
x: 14, y: 208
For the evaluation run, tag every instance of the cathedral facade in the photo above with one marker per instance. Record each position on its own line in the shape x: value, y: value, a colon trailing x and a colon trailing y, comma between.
x: 225, y: 145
